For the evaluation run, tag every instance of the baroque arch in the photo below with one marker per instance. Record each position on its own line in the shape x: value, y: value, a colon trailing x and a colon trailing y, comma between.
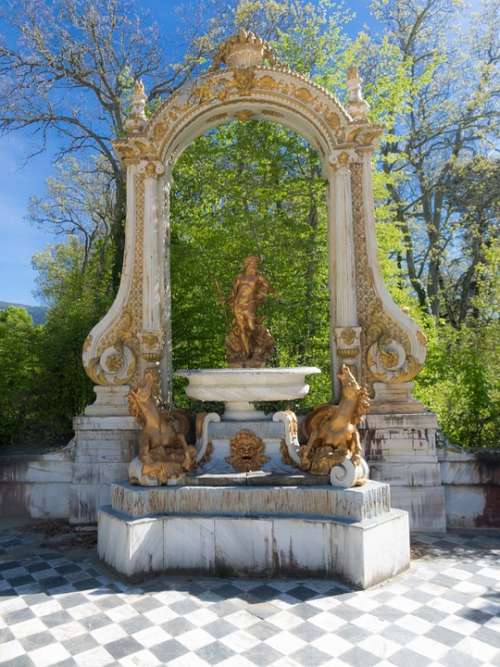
x: 381, y: 344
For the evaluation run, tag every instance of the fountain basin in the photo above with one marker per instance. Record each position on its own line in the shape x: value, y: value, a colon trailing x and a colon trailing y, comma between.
x: 238, y: 388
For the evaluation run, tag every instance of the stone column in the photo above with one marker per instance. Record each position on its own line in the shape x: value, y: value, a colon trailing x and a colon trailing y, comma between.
x: 151, y: 335
x: 343, y: 308
x: 398, y: 435
x: 166, y: 370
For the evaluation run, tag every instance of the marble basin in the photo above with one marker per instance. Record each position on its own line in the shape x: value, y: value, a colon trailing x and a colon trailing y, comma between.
x: 238, y: 388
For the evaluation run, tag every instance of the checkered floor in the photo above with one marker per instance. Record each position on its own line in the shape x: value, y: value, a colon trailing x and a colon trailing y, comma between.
x: 60, y: 607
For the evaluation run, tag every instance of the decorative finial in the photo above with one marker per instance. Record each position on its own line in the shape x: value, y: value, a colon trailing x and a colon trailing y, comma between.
x: 244, y: 49
x: 136, y: 118
x: 357, y: 106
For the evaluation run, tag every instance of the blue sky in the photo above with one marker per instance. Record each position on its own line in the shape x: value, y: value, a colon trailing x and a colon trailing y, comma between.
x: 21, y: 179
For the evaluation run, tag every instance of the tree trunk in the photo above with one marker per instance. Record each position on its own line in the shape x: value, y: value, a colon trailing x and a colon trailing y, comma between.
x: 118, y: 231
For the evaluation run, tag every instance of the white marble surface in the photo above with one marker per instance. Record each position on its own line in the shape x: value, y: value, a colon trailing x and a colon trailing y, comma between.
x: 189, y: 544
x: 109, y: 402
x: 130, y: 551
x: 401, y: 450
x: 243, y: 545
x: 364, y: 553
x: 370, y: 500
x: 238, y: 388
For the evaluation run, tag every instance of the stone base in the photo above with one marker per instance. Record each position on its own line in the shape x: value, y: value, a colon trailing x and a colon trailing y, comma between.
x: 395, y: 399
x: 104, y: 447
x: 311, y: 531
x: 401, y: 450
x: 109, y: 402
x: 357, y: 504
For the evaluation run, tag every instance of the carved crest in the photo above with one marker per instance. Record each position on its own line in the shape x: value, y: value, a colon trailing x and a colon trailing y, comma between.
x: 244, y: 49
x: 247, y: 452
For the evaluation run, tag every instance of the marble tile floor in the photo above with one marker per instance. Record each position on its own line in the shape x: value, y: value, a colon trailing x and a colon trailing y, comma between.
x: 60, y: 606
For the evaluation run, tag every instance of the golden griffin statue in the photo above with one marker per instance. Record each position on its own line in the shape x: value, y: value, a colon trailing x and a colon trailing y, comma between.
x: 331, y: 429
x: 163, y: 450
x: 249, y: 343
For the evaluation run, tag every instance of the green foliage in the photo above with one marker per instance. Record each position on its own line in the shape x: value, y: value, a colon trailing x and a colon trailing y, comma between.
x: 43, y: 384
x: 250, y: 188
x: 19, y: 360
x: 256, y: 188
x: 460, y: 383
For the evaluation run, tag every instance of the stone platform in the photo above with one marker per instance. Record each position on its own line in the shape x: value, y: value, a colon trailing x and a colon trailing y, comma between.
x: 264, y: 530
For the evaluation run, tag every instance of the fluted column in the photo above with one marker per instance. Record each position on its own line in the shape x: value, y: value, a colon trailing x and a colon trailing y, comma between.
x: 151, y: 336
x: 344, y: 324
x: 166, y: 370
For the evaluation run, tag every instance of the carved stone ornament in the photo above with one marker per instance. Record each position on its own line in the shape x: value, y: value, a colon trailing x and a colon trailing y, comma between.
x: 244, y: 49
x: 247, y: 82
x: 358, y: 107
x: 164, y: 454
x: 331, y: 430
x: 290, y: 446
x: 136, y: 118
x: 247, y: 452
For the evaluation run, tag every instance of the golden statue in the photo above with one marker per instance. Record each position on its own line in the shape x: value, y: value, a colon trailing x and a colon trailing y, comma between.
x: 249, y: 343
x: 163, y: 450
x: 331, y: 429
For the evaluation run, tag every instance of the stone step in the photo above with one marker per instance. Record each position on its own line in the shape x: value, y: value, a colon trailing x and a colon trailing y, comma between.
x: 356, y: 504
x: 364, y: 553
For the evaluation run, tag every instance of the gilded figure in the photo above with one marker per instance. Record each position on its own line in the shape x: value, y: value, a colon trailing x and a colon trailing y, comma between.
x: 163, y: 449
x: 331, y: 430
x: 249, y: 343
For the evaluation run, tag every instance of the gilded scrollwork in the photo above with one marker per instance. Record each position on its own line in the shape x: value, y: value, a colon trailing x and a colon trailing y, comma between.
x: 115, y: 360
x: 386, y: 344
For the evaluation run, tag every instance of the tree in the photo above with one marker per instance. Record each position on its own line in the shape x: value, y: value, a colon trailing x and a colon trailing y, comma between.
x: 79, y: 204
x: 449, y: 119
x: 68, y: 67
x: 19, y: 347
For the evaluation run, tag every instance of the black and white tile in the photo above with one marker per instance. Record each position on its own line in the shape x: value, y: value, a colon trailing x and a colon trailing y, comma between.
x: 58, y: 607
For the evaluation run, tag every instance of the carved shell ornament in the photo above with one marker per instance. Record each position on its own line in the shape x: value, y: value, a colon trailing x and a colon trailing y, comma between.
x: 244, y: 49
x: 387, y: 359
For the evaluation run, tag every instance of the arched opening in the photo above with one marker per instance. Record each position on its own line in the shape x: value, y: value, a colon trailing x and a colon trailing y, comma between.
x: 244, y: 188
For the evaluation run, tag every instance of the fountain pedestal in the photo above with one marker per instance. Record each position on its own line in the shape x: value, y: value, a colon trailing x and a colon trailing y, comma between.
x: 252, y: 529
x: 248, y: 509
x: 241, y: 426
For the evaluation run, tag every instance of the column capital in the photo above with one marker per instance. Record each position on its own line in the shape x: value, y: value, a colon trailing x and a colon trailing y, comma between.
x: 151, y: 168
x: 341, y: 158
x: 365, y: 152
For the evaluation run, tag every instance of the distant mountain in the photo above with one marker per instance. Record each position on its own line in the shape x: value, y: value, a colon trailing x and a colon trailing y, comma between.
x: 38, y: 313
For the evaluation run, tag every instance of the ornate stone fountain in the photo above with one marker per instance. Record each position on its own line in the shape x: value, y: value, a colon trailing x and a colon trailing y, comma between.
x: 250, y: 497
